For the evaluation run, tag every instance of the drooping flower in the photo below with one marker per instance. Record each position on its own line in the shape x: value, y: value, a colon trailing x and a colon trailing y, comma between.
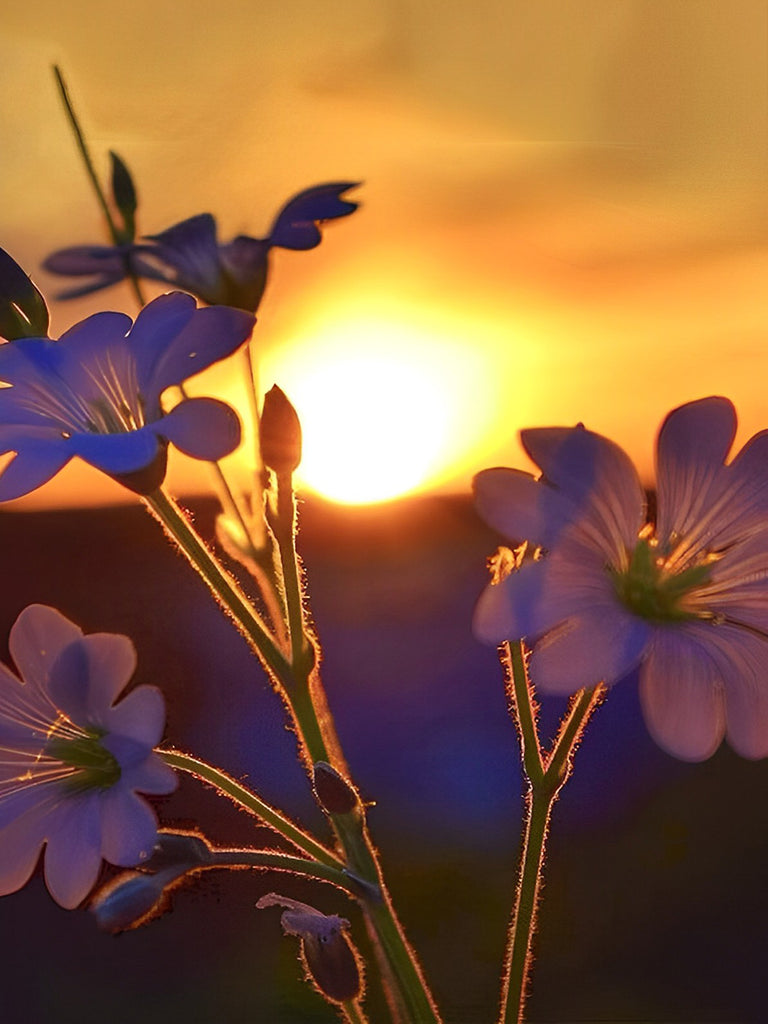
x: 95, y: 393
x: 73, y: 758
x: 189, y: 256
x: 684, y: 597
x: 328, y: 956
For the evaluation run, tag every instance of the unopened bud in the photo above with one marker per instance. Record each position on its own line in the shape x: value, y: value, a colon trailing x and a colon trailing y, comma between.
x: 130, y: 899
x: 279, y: 433
x: 330, y: 960
x: 332, y: 790
x: 183, y: 850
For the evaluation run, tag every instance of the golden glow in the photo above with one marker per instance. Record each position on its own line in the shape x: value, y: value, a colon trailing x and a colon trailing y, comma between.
x: 390, y: 402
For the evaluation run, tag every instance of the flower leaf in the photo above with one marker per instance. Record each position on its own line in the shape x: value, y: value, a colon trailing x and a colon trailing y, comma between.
x: 23, y: 311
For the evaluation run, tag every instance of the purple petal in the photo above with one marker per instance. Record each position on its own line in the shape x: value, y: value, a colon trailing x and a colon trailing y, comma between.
x: 117, y: 454
x: 596, y: 476
x: 246, y: 258
x: 73, y: 851
x: 139, y: 716
x: 190, y: 248
x: 156, y: 326
x: 601, y: 644
x: 38, y: 463
x: 29, y: 361
x: 152, y: 776
x: 86, y: 259
x: 21, y: 841
x: 89, y: 674
x: 681, y: 695
x: 37, y: 638
x: 128, y: 828
x: 693, y: 443
x: 520, y: 507
x: 203, y: 428
x: 512, y: 609
x: 209, y: 335
x: 295, y: 226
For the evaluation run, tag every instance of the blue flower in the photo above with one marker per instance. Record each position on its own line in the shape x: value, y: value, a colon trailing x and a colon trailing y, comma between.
x: 95, y: 393
x: 682, y: 597
x: 73, y: 758
x: 189, y: 255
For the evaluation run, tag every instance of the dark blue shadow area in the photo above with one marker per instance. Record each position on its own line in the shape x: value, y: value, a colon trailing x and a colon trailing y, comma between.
x: 654, y: 905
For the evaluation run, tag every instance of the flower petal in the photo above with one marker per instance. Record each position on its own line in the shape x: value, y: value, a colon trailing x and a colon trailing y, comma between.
x: 128, y: 828
x: 139, y: 716
x: 37, y: 638
x: 73, y: 851
x: 191, y: 250
x: 595, y: 476
x: 152, y: 776
x: 520, y: 507
x: 693, y: 443
x: 86, y: 259
x: 159, y: 322
x: 21, y: 841
x: 601, y: 644
x: 117, y: 454
x: 512, y: 608
x: 38, y: 463
x: 295, y: 226
x: 165, y: 358
x: 681, y: 695
x: 203, y: 428
x: 89, y: 674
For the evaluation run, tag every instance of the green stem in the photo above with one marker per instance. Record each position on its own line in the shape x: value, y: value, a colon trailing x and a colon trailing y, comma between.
x: 302, y: 687
x: 223, y: 586
x: 524, y: 710
x: 353, y: 1012
x: 117, y: 238
x: 545, y: 780
x: 272, y: 860
x: 253, y: 803
x: 284, y: 529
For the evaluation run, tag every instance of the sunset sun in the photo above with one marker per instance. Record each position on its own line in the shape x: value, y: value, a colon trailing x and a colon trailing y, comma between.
x: 382, y: 406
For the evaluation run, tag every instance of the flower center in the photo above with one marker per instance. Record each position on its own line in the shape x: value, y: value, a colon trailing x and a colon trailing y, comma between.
x: 654, y: 592
x: 94, y: 767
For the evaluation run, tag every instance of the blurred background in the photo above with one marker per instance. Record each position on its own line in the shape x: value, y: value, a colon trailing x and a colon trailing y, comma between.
x: 564, y: 219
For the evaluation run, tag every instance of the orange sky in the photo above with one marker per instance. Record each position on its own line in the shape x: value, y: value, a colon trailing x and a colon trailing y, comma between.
x: 577, y: 190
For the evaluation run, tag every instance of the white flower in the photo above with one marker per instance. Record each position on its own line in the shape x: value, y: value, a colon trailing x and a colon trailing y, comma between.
x: 685, y: 598
x: 72, y: 761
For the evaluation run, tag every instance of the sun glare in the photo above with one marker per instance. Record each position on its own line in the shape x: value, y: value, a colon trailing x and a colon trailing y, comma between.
x: 383, y: 404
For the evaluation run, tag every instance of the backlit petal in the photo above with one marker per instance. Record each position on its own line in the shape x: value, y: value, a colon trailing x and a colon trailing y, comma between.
x: 601, y: 644
x: 203, y: 428
x: 36, y: 640
x: 681, y: 695
x: 128, y: 828
x: 73, y: 850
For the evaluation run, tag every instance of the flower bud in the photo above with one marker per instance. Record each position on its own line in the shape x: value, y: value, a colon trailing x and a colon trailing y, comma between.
x: 279, y: 433
x: 130, y: 899
x: 332, y: 790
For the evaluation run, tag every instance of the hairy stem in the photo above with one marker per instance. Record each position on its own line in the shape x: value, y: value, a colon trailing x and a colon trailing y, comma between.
x: 251, y: 802
x: 546, y: 777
